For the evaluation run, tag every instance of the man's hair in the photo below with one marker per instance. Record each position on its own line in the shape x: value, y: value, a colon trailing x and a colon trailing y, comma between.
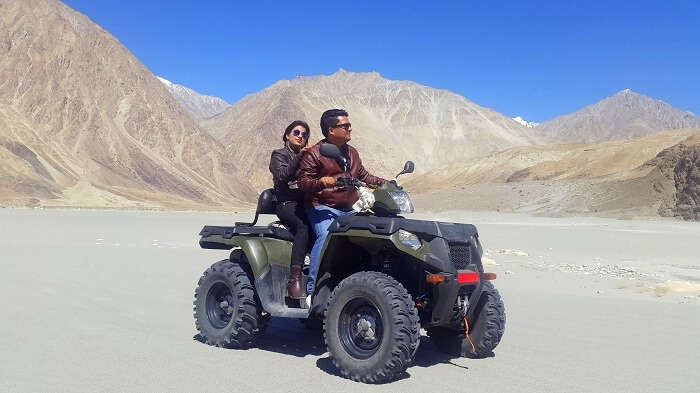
x: 329, y: 119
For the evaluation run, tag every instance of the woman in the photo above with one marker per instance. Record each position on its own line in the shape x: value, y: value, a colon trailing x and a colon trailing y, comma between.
x: 290, y: 209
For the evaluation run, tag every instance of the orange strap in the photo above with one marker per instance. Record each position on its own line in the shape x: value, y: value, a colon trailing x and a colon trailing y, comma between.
x: 466, y: 331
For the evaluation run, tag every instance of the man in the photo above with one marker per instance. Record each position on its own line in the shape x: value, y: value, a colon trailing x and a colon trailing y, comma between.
x: 324, y: 201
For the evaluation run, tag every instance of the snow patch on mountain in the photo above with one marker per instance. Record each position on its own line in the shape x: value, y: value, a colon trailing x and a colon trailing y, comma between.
x: 528, y: 124
x: 200, y: 106
x: 165, y: 81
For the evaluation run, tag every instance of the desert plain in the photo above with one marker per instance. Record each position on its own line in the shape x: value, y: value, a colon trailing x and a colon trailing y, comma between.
x: 101, y: 301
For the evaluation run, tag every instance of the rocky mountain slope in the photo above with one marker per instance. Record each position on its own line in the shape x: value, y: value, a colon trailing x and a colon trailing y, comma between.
x: 679, y: 167
x: 393, y: 121
x: 199, y: 106
x: 646, y: 176
x: 550, y: 162
x: 625, y: 115
x: 84, y: 123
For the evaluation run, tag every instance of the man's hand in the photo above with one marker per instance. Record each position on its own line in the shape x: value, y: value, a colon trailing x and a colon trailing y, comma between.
x: 327, y: 181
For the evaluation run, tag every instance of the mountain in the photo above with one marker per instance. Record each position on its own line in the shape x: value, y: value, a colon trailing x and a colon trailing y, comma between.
x: 528, y: 124
x: 84, y: 123
x: 623, y: 116
x: 679, y: 167
x: 654, y: 175
x: 550, y: 162
x: 200, y: 106
x: 393, y: 121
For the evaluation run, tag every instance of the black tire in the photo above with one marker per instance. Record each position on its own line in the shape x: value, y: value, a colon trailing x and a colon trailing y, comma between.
x: 485, y: 331
x: 371, y: 328
x: 235, y: 323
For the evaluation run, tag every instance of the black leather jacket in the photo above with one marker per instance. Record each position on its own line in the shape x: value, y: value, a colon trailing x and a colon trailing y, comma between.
x: 283, y: 166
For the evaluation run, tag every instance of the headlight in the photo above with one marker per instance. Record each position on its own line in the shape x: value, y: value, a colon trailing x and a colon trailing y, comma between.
x: 409, y: 240
x: 403, y: 201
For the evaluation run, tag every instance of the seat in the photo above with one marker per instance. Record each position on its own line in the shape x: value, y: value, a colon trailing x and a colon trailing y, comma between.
x: 281, y: 231
x: 266, y: 205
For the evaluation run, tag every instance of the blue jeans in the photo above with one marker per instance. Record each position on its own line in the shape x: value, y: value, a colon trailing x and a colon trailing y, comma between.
x: 320, y: 218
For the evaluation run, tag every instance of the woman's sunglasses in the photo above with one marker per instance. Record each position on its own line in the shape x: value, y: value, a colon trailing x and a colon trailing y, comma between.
x: 304, y: 134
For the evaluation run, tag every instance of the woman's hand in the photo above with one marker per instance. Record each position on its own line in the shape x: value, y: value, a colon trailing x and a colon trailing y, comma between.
x: 304, y: 150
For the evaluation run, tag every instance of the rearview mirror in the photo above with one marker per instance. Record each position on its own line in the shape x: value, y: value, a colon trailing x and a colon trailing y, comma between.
x: 330, y: 150
x: 407, y: 168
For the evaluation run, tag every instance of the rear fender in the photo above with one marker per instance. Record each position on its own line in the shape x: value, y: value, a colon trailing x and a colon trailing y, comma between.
x: 261, y: 252
x: 216, y: 242
x: 265, y: 261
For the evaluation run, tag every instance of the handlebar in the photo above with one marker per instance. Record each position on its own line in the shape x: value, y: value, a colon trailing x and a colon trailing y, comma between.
x: 348, y: 182
x: 353, y: 182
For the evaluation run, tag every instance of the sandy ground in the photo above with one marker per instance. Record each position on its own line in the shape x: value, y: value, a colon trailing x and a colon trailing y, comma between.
x: 102, y: 301
x: 629, y: 199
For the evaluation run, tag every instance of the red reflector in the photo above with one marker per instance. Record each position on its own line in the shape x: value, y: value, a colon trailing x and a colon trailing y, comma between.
x: 467, y: 277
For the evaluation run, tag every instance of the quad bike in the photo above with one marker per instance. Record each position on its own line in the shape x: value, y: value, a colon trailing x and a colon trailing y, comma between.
x: 381, y: 278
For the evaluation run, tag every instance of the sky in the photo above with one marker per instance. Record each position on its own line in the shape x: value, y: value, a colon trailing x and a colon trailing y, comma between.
x: 535, y: 59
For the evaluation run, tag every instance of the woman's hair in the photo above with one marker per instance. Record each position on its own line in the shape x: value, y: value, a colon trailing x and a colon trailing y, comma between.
x: 291, y: 126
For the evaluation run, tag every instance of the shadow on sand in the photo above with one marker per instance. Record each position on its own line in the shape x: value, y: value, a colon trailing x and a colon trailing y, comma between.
x: 326, y: 365
x: 287, y: 336
x: 290, y: 337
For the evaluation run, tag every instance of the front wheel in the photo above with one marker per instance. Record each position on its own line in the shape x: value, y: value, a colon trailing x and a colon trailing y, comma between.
x: 485, y: 331
x: 371, y: 328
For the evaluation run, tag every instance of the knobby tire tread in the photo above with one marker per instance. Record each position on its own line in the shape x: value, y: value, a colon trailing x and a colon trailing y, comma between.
x: 404, y: 317
x: 486, y: 331
x: 248, y: 322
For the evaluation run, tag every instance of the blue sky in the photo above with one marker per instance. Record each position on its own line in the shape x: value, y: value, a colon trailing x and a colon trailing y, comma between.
x: 537, y: 59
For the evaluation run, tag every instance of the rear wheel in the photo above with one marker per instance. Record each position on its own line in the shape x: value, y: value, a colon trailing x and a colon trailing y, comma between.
x: 226, y: 310
x: 371, y: 328
x: 485, y: 331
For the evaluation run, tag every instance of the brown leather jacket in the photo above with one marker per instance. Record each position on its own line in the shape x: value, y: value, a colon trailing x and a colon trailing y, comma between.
x: 314, y: 166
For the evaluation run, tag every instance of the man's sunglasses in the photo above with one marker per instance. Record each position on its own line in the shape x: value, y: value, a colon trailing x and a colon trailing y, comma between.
x: 304, y: 134
x: 347, y: 126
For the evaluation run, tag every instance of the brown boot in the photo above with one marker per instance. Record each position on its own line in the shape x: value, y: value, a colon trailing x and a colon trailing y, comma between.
x: 295, y: 287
